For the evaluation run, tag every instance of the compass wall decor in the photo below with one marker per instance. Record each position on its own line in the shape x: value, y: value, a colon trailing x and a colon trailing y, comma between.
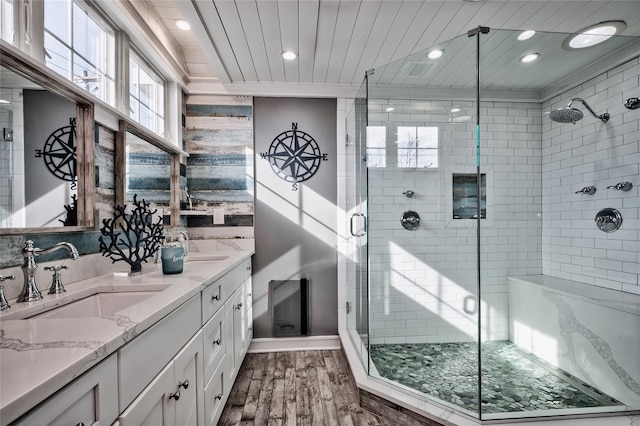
x: 294, y: 156
x: 59, y: 153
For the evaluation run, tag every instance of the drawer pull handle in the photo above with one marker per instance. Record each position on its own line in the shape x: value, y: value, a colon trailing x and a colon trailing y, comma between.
x: 218, y: 397
x: 215, y: 297
x: 239, y: 305
x: 216, y: 342
x: 184, y: 384
x: 175, y: 396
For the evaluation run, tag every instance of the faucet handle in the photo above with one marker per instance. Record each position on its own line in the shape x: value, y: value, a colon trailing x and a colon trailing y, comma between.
x: 3, y: 300
x: 56, y: 283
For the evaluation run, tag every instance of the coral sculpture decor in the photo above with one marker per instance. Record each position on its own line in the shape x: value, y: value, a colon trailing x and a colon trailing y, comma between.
x: 131, y: 237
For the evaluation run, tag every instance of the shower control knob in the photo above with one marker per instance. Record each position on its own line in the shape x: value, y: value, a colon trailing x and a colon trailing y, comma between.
x: 622, y: 186
x: 588, y: 190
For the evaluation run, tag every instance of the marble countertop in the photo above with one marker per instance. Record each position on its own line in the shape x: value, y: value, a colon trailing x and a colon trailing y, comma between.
x: 39, y: 356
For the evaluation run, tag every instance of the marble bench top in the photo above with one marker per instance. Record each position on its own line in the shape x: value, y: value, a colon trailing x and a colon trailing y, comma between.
x: 615, y: 299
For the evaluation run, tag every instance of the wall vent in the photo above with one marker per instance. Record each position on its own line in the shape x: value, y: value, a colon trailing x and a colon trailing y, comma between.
x: 289, y: 306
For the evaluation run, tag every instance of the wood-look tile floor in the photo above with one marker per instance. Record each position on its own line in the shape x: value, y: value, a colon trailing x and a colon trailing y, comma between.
x: 294, y: 389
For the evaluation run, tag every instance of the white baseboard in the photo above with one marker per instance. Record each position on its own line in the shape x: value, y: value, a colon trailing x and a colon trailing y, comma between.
x: 284, y: 344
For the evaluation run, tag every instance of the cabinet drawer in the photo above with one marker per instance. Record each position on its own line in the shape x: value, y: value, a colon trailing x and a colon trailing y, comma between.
x: 215, y: 343
x: 215, y: 394
x: 214, y: 296
x: 153, y: 406
x: 89, y: 400
x: 142, y: 359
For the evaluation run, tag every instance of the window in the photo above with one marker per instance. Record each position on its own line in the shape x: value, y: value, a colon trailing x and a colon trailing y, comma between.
x: 376, y: 146
x: 80, y: 46
x: 6, y: 20
x: 417, y: 147
x: 465, y: 196
x: 146, y: 95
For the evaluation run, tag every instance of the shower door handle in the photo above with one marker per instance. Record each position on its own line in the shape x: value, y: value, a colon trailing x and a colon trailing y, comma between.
x: 364, y: 228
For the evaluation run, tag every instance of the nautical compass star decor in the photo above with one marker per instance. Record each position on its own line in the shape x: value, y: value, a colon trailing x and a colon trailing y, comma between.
x: 59, y: 153
x: 294, y: 156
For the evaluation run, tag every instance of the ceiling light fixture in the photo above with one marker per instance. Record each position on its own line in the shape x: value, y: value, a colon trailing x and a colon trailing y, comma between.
x: 526, y: 35
x: 389, y: 109
x: 289, y: 55
x: 455, y: 109
x: 435, y: 54
x: 3, y: 101
x: 529, y: 58
x: 182, y: 24
x: 594, y: 34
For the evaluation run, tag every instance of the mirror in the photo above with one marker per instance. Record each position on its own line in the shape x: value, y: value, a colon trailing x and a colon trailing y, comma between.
x: 147, y: 170
x: 148, y: 174
x: 42, y: 153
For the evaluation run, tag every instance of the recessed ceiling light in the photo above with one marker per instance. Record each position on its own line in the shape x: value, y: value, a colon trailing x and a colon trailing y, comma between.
x: 3, y: 101
x: 182, y: 24
x: 390, y: 109
x: 455, y: 109
x: 526, y: 35
x: 288, y: 55
x: 435, y: 54
x: 530, y: 57
x: 594, y: 34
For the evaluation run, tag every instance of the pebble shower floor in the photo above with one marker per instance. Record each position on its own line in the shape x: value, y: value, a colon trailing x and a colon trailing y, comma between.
x: 512, y: 380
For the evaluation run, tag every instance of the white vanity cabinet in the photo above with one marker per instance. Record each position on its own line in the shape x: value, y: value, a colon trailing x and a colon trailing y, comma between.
x: 88, y: 400
x: 175, y: 396
x: 178, y: 372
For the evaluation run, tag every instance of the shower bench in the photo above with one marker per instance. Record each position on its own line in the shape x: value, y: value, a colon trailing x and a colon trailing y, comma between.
x: 590, y: 332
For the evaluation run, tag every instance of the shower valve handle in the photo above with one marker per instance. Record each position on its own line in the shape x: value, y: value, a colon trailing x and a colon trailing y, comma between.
x: 589, y: 190
x: 622, y: 186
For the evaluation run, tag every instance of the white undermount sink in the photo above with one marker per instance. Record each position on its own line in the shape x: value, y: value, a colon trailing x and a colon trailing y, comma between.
x: 99, y: 303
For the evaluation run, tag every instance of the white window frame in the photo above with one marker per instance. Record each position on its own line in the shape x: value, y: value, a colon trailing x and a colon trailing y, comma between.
x: 106, y: 77
x: 158, y: 91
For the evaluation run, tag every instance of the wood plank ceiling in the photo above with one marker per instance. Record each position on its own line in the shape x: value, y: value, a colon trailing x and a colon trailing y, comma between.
x: 241, y: 41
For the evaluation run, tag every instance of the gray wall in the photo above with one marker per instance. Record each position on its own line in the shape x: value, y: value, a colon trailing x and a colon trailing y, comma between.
x: 45, y: 194
x: 295, y: 230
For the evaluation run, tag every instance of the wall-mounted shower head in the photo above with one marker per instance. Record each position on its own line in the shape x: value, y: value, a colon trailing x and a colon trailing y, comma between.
x: 572, y: 115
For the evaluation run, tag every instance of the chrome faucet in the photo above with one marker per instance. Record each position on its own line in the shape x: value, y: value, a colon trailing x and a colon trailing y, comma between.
x: 30, y: 292
x: 185, y: 242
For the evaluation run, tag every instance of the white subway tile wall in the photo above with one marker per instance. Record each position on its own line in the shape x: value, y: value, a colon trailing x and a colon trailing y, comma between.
x: 423, y: 282
x: 593, y: 153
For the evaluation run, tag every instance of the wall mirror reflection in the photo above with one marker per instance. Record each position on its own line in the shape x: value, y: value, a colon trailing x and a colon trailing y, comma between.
x: 40, y: 174
x: 148, y: 173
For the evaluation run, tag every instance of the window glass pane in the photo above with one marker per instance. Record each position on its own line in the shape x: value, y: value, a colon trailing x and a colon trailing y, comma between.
x: 57, y: 20
x: 86, y: 76
x: 417, y: 147
x: 58, y: 56
x: 87, y: 37
x: 427, y: 137
x: 6, y: 20
x: 376, y: 146
x: 147, y: 92
x: 135, y: 108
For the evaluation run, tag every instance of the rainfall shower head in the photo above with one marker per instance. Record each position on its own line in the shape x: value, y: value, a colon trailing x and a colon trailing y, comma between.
x: 572, y: 115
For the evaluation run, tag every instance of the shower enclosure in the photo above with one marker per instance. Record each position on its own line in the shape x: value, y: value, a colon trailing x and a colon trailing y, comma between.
x: 484, y: 270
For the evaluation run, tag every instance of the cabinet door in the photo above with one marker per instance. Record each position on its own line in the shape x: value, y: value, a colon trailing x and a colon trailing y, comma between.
x: 155, y: 406
x: 216, y: 343
x: 189, y: 380
x: 89, y: 400
x: 232, y: 311
x: 216, y: 393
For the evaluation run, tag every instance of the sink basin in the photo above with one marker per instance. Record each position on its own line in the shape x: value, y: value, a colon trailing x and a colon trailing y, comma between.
x: 96, y: 305
x: 198, y: 257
